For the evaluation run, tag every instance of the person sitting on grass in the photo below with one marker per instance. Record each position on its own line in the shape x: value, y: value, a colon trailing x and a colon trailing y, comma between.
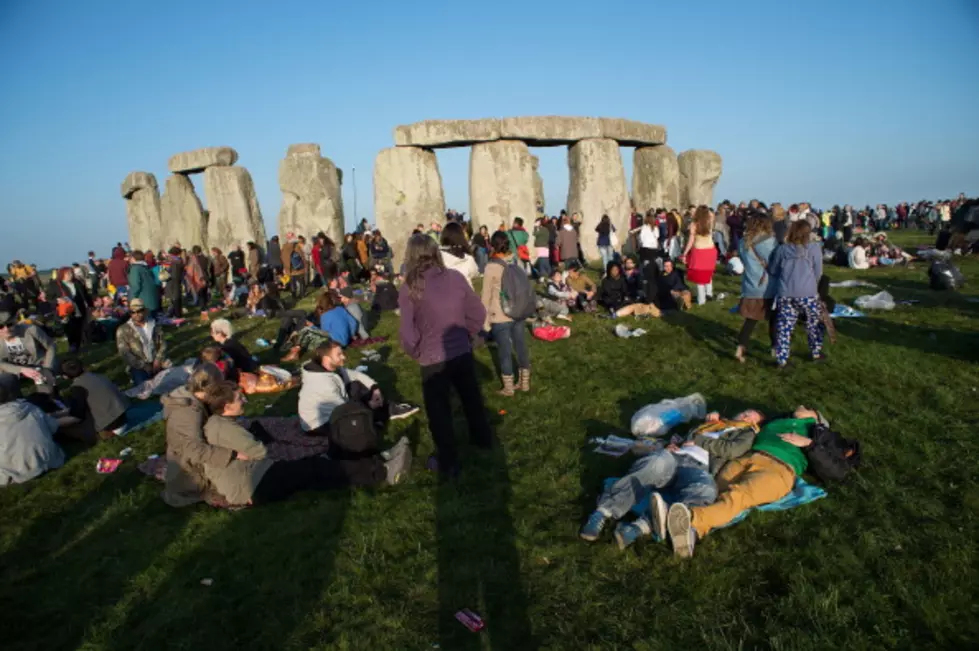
x: 559, y: 290
x: 613, y: 292
x: 251, y: 478
x: 767, y: 473
x: 141, y: 344
x: 223, y: 333
x: 351, y: 303
x: 327, y: 384
x: 857, y: 257
x: 301, y: 331
x: 336, y: 321
x: 27, y: 446
x: 26, y: 351
x: 95, y: 401
x: 672, y: 292
x: 682, y: 472
x: 214, y: 355
x: 583, y: 287
x: 633, y: 279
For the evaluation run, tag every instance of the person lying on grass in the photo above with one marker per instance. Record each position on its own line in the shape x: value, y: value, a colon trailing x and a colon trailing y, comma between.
x: 682, y: 472
x: 765, y: 474
x: 251, y: 478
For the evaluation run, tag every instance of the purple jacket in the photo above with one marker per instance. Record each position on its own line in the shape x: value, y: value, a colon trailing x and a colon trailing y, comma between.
x: 438, y: 327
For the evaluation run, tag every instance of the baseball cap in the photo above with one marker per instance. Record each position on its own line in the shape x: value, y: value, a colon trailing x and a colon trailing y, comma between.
x: 136, y: 305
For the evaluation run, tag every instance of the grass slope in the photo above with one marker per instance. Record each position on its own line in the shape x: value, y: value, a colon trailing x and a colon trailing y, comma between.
x: 887, y: 561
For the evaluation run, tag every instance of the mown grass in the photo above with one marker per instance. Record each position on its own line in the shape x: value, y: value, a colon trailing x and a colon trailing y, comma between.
x: 889, y: 560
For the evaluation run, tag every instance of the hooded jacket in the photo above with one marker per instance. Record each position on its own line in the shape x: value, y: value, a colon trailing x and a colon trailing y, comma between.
x: 118, y: 268
x: 323, y: 391
x: 235, y: 481
x: 188, y: 453
x: 27, y: 447
x: 466, y: 265
x: 796, y: 270
x: 142, y: 285
x: 757, y: 259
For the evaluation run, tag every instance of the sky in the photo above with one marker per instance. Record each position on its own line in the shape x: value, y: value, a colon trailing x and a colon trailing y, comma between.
x: 831, y: 102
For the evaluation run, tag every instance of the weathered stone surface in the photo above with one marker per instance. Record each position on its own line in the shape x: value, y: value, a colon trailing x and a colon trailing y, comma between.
x: 142, y: 210
x: 311, y: 197
x: 407, y: 192
x: 597, y: 187
x: 540, y: 131
x: 501, y: 184
x: 655, y: 178
x: 447, y: 133
x: 233, y: 214
x: 183, y: 217
x: 699, y: 171
x: 189, y: 162
x: 136, y: 180
x: 538, y: 184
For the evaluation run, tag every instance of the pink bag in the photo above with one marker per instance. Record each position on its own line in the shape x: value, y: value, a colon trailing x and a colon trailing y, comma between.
x: 552, y: 332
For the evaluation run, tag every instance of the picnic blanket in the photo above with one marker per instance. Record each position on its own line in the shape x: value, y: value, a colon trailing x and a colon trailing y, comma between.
x: 802, y: 493
x: 141, y: 415
x: 846, y: 312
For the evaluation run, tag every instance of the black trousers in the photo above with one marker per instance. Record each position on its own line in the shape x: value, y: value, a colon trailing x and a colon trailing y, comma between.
x: 289, y: 322
x: 317, y: 474
x: 437, y: 380
x: 176, y: 309
x: 744, y: 338
x: 75, y: 331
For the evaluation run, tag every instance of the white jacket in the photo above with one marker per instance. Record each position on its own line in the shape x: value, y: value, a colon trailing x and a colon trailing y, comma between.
x: 465, y: 265
x: 648, y: 237
x: 857, y: 258
x: 323, y: 391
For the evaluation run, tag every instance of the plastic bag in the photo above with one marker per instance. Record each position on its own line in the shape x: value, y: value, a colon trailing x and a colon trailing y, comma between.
x: 657, y: 419
x: 735, y: 267
x: 879, y: 301
x: 552, y: 332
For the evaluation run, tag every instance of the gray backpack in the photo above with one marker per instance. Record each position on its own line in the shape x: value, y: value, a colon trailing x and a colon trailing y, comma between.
x: 517, y: 297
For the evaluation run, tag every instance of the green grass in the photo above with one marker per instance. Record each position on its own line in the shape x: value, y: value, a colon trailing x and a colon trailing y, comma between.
x: 889, y: 560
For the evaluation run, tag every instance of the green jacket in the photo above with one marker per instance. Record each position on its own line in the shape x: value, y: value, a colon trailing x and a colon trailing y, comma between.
x: 142, y: 285
x: 769, y: 442
x: 731, y: 444
x: 518, y: 237
x: 236, y: 480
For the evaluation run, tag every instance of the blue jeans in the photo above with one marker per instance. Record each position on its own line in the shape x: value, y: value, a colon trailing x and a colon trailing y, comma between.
x: 544, y: 267
x: 608, y: 254
x: 139, y: 376
x: 482, y: 257
x: 510, y: 337
x: 676, y: 477
x: 719, y: 243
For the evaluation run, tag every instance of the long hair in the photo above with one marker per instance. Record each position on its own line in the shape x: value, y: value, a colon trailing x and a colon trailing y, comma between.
x: 758, y: 225
x: 453, y: 239
x: 421, y: 254
x: 500, y: 243
x: 605, y: 225
x: 799, y: 233
x: 324, y: 303
x: 701, y: 220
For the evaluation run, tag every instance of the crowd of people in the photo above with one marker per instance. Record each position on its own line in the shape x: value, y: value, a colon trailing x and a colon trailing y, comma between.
x: 530, y: 274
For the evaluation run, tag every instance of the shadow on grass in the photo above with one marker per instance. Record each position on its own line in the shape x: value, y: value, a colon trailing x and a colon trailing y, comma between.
x: 937, y: 341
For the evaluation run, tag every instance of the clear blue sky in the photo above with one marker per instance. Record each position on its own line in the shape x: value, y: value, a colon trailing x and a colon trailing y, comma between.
x: 828, y: 101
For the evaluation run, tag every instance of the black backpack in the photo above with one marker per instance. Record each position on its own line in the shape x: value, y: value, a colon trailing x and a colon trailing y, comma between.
x: 352, y: 434
x: 831, y: 457
x: 945, y: 275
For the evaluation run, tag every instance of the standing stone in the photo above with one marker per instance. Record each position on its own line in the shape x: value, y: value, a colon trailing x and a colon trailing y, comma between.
x: 183, y: 216
x: 501, y: 184
x: 142, y: 195
x: 233, y: 214
x: 655, y: 179
x: 311, y: 197
x: 597, y: 187
x: 407, y: 192
x: 699, y: 171
x: 538, y: 185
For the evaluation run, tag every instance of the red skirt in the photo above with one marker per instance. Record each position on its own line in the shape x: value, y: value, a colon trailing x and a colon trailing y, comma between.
x: 700, y: 265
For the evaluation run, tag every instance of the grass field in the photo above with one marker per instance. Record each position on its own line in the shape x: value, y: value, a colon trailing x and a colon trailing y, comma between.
x: 888, y: 561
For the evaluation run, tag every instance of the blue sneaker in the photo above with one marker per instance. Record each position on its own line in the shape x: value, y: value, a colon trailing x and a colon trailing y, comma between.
x: 592, y: 529
x: 628, y: 533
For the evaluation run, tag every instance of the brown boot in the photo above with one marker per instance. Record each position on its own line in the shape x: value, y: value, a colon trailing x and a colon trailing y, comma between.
x: 293, y: 354
x: 507, y: 389
x: 524, y: 379
x: 205, y: 317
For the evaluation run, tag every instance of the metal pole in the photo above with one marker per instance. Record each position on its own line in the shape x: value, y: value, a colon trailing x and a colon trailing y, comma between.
x: 354, y: 174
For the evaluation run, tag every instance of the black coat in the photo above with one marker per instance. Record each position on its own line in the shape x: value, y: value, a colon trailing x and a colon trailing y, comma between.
x: 175, y: 286
x: 613, y: 292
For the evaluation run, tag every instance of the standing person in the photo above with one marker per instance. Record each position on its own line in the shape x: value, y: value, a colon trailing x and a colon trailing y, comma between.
x: 94, y: 276
x: 300, y: 275
x: 723, y: 237
x: 440, y: 314
x: 701, y: 255
x: 780, y: 225
x: 606, y: 246
x: 198, y: 278
x: 567, y: 243
x: 142, y: 283
x: 542, y: 249
x: 141, y: 345
x: 381, y: 253
x: 174, y: 291
x: 254, y: 259
x: 455, y: 252
x: 796, y: 267
x: 363, y: 255
x: 118, y: 272
x: 649, y: 249
x: 480, y: 246
x: 519, y: 237
x: 26, y: 351
x: 273, y: 253
x: 349, y: 255
x: 73, y: 305
x: 757, y: 293
x: 510, y: 336
x: 221, y: 266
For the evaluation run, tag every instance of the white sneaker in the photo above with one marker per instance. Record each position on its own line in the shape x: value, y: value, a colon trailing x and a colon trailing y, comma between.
x: 681, y: 532
x: 657, y: 516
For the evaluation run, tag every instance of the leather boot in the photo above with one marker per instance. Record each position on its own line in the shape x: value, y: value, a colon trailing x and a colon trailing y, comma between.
x: 293, y: 354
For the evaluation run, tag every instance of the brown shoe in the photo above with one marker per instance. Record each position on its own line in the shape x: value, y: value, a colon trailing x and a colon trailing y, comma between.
x: 293, y: 354
x: 507, y: 389
x: 524, y: 379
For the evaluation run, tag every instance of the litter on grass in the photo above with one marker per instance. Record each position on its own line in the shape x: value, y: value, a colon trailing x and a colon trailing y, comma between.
x: 107, y: 466
x: 879, y: 301
x: 613, y: 446
x: 625, y: 333
x: 852, y: 283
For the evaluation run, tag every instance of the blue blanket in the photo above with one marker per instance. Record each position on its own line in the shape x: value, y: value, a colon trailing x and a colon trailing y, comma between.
x: 802, y: 493
x: 141, y: 414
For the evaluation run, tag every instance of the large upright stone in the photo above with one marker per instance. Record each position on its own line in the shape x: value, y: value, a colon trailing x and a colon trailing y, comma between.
x: 233, y: 214
x: 311, y: 197
x: 407, y: 192
x: 190, y: 162
x: 597, y: 187
x: 699, y: 171
x: 655, y: 178
x: 183, y: 216
x: 142, y: 195
x: 538, y: 184
x: 501, y: 184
